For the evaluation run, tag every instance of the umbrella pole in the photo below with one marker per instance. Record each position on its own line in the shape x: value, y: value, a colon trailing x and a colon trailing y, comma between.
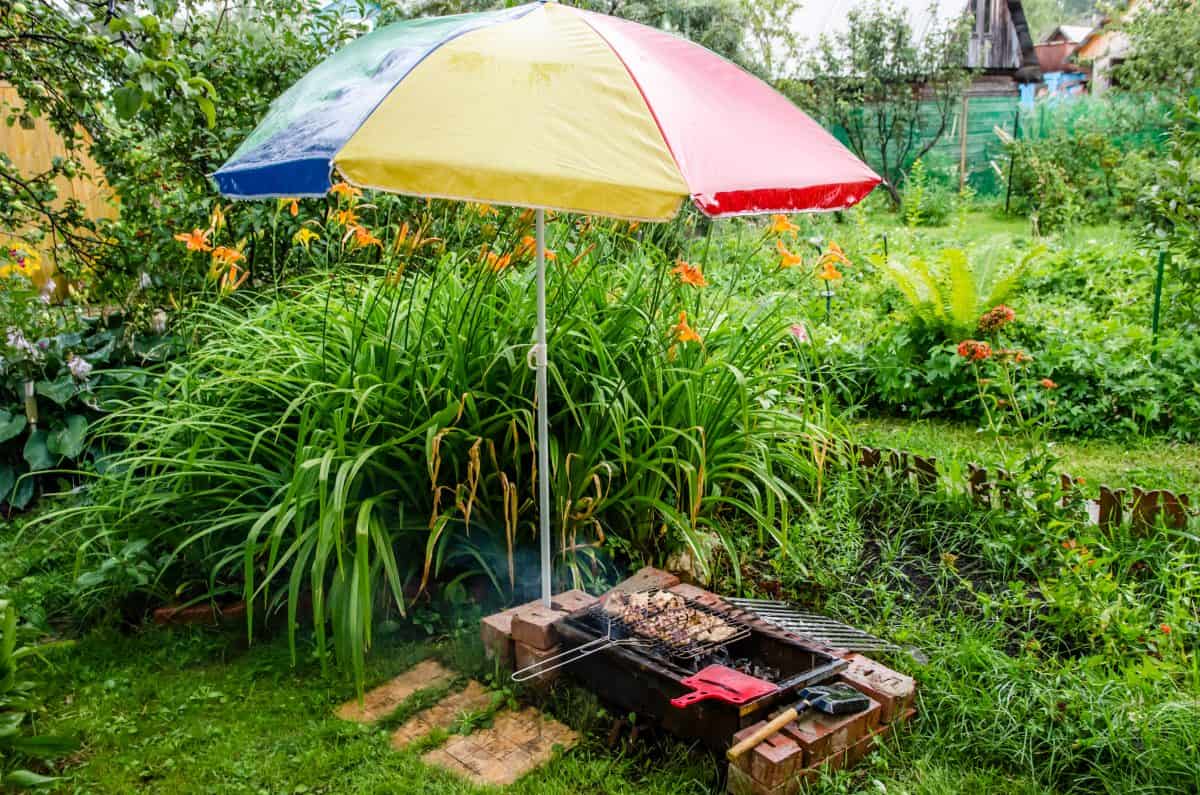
x: 543, y: 410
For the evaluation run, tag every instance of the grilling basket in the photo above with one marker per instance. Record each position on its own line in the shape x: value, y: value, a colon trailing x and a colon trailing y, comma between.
x: 657, y: 621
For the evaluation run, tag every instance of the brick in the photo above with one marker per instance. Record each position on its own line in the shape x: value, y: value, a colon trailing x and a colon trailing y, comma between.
x: 824, y: 736
x: 533, y: 625
x: 201, y: 614
x: 894, y: 691
x: 573, y: 601
x: 527, y: 655
x: 383, y: 700
x: 442, y: 715
x: 515, y: 744
x: 496, y: 633
x: 775, y: 759
x: 771, y: 761
x: 740, y: 782
x: 648, y: 577
x: 846, y: 759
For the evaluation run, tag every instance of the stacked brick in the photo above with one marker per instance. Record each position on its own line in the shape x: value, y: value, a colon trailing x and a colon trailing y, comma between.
x: 780, y: 765
x: 817, y: 742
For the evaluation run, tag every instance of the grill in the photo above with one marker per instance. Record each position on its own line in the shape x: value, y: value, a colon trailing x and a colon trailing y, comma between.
x: 640, y: 666
x: 654, y: 621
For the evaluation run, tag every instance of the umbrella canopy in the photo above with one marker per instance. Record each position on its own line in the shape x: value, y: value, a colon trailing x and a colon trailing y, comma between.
x: 548, y: 106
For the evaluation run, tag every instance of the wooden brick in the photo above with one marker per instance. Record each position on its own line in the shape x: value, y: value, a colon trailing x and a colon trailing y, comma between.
x: 573, y: 601
x: 894, y: 691
x: 533, y: 625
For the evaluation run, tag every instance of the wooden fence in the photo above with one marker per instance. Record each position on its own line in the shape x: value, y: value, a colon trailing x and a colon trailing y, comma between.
x: 33, y: 150
x: 1144, y: 509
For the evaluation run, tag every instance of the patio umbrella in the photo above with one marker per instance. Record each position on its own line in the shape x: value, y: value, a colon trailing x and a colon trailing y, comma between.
x: 547, y: 107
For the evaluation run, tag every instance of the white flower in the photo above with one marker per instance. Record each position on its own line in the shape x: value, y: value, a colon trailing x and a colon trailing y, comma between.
x: 79, y: 367
x: 144, y: 281
x: 17, y: 341
x: 158, y: 321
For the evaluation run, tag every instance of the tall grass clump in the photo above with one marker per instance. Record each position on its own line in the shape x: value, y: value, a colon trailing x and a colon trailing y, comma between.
x: 360, y: 433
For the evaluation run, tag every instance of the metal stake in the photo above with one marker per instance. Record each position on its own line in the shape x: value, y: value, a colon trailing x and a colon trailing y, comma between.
x: 543, y: 410
x: 1158, y: 285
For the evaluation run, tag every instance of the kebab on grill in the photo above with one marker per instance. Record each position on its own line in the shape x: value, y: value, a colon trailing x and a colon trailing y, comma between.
x: 665, y: 616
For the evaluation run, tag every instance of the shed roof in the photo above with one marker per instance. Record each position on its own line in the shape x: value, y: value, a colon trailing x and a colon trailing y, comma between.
x: 1070, y: 33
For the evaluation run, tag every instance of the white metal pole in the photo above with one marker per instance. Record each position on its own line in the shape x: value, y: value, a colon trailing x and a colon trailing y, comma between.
x: 543, y: 410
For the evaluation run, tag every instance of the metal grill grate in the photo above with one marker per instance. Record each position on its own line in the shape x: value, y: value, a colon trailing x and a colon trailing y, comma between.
x: 669, y: 631
x: 817, y: 627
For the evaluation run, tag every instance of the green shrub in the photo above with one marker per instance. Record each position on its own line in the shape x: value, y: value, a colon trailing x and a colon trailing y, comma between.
x: 360, y: 433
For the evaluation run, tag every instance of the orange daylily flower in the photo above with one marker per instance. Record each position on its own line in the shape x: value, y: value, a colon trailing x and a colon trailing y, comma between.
x: 345, y: 189
x: 497, y: 262
x: 833, y: 253
x: 227, y: 255
x: 633, y: 225
x: 293, y: 206
x: 346, y: 217
x: 689, y: 274
x: 528, y: 248
x: 485, y: 210
x: 782, y: 225
x: 582, y: 254
x: 786, y: 258
x: 828, y: 272
x: 364, y: 238
x: 231, y: 280
x: 196, y: 240
x: 684, y: 332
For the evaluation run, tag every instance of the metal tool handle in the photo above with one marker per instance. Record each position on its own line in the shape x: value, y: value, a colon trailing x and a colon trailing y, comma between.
x: 776, y: 723
x: 565, y: 658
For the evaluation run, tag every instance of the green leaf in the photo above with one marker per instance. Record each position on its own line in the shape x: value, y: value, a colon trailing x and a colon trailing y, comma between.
x: 128, y: 101
x: 8, y: 476
x: 59, y: 390
x: 37, y: 454
x: 22, y: 495
x: 68, y: 441
x: 10, y: 425
x: 25, y: 779
x: 209, y: 110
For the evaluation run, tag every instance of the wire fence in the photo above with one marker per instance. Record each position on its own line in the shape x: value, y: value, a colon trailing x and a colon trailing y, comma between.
x: 972, y: 148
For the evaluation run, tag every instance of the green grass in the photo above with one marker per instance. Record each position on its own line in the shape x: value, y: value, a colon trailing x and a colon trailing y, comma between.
x: 1147, y: 462
x: 192, y: 711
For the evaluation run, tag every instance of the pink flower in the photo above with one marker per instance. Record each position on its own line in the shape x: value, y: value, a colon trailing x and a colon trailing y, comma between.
x: 800, y: 333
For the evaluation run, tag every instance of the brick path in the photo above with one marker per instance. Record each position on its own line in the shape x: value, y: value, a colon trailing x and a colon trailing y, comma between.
x: 443, y: 714
x: 515, y: 744
x: 383, y: 700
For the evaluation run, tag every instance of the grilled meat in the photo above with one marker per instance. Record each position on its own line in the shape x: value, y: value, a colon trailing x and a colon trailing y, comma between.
x: 665, y: 616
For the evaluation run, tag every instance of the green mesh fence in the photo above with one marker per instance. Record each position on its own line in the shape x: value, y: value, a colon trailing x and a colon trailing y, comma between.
x: 1131, y: 122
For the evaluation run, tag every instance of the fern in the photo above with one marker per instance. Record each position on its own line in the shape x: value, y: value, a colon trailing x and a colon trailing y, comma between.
x: 952, y: 294
x: 963, y: 306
